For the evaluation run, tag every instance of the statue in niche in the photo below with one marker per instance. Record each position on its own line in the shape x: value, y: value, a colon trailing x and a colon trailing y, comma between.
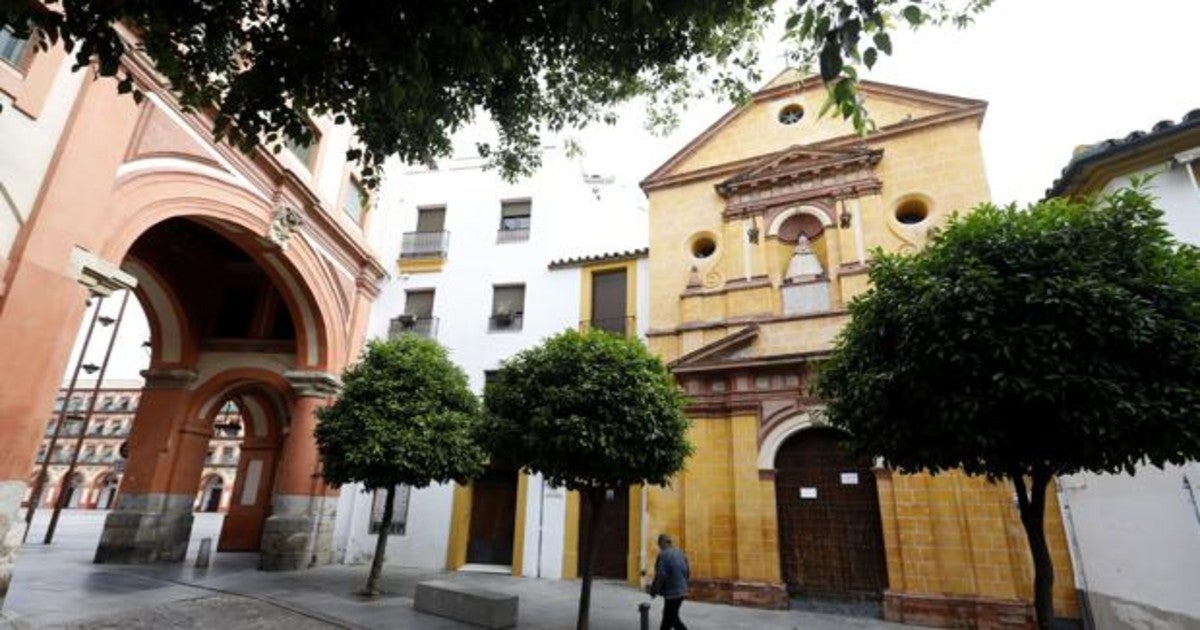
x: 804, y: 263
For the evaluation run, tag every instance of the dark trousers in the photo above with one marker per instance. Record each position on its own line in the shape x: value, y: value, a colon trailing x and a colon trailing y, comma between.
x: 670, y: 618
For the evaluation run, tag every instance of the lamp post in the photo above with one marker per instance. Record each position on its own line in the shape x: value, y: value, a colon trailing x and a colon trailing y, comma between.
x: 39, y: 483
x: 60, y: 501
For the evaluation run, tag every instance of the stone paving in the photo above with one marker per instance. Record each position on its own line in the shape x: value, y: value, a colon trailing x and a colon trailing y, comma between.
x: 59, y: 587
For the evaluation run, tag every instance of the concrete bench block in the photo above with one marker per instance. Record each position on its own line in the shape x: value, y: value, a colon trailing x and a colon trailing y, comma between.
x: 466, y: 603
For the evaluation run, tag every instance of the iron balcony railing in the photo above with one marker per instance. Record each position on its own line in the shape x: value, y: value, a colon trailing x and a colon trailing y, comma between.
x: 512, y: 235
x: 425, y: 244
x: 505, y: 321
x: 411, y: 324
x: 618, y: 325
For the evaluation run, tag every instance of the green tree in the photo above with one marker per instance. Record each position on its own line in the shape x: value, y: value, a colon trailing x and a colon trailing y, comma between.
x: 591, y: 412
x: 405, y: 416
x: 1025, y: 344
x: 407, y: 75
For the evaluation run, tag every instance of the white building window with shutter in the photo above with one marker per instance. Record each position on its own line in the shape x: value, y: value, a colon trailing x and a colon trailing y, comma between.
x: 399, y: 511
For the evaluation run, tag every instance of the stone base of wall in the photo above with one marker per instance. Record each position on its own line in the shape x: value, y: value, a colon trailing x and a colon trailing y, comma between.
x: 146, y: 528
x: 753, y: 594
x: 945, y: 611
x: 298, y: 534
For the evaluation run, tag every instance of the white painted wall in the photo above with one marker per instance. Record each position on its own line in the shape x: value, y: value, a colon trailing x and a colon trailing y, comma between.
x: 26, y: 147
x: 1136, y: 538
x: 569, y: 219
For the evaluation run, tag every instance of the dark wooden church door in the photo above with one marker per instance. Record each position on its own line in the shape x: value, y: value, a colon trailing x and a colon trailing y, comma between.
x: 830, y: 536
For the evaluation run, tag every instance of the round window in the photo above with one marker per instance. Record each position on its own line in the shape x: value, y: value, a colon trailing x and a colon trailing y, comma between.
x: 791, y: 114
x: 703, y: 246
x: 912, y: 212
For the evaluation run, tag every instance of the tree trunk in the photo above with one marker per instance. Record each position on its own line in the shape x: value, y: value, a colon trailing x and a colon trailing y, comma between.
x: 596, y: 498
x: 385, y: 527
x: 1033, y: 515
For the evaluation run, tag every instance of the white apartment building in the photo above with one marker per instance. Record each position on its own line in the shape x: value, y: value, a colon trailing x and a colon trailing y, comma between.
x: 489, y: 268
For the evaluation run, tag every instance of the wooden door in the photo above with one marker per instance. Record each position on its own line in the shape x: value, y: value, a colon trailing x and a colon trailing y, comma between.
x: 493, y: 518
x: 612, y: 555
x: 609, y: 301
x: 830, y: 536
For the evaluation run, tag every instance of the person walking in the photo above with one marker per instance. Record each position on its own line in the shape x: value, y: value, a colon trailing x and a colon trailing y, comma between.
x: 671, y: 575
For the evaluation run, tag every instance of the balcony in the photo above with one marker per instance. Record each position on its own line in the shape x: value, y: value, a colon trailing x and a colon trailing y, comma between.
x: 618, y: 325
x: 512, y: 235
x: 424, y: 244
x: 505, y: 321
x: 412, y: 324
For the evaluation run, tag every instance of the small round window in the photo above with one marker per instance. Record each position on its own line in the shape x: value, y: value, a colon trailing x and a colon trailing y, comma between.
x: 912, y: 212
x: 791, y: 114
x: 703, y: 246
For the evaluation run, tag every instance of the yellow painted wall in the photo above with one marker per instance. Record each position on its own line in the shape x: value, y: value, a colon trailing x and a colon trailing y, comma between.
x: 948, y: 534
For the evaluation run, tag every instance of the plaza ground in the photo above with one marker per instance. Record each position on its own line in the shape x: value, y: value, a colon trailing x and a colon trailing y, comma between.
x: 57, y: 586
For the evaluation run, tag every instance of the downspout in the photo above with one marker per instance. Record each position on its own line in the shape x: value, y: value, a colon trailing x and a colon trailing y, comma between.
x: 1185, y: 160
x: 642, y: 536
x: 1081, y: 583
x: 541, y: 520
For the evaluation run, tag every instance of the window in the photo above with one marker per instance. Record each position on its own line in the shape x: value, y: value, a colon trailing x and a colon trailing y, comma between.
x: 399, y: 511
x: 12, y: 48
x: 124, y: 402
x: 791, y: 114
x: 304, y: 151
x: 354, y: 200
x: 508, y: 307
x: 108, y: 402
x: 431, y: 240
x: 514, y: 220
x: 432, y: 219
x: 418, y: 315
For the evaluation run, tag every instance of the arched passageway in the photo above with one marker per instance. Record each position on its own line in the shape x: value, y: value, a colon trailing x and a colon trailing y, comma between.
x: 830, y: 536
x: 252, y: 279
x: 211, y: 490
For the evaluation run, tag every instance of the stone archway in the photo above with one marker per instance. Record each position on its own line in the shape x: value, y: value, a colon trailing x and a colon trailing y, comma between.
x: 241, y: 263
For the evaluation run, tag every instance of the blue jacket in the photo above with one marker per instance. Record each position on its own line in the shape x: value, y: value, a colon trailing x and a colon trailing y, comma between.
x: 670, y: 574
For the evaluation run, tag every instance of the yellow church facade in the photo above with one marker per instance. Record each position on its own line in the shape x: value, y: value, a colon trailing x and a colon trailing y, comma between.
x: 761, y: 232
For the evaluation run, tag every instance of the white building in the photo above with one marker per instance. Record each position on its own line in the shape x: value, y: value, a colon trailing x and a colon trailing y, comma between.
x: 1136, y: 538
x: 489, y: 268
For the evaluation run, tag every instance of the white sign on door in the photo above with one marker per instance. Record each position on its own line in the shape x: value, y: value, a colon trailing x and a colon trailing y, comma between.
x: 808, y: 493
x: 850, y: 479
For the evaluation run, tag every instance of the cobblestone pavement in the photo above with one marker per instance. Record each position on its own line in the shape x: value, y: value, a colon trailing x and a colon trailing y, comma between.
x: 59, y: 587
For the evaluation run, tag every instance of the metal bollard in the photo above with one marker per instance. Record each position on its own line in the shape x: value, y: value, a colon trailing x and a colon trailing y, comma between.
x: 204, y: 553
x: 644, y: 615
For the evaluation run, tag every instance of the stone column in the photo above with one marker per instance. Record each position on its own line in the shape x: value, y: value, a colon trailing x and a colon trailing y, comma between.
x: 152, y: 521
x: 299, y: 532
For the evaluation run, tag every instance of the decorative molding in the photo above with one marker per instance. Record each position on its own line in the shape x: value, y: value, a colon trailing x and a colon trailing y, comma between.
x: 313, y: 384
x: 285, y: 221
x: 98, y: 275
x: 157, y: 378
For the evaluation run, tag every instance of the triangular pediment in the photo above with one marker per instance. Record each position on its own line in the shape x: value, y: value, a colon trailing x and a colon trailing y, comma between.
x: 750, y: 131
x: 796, y: 162
x: 730, y: 348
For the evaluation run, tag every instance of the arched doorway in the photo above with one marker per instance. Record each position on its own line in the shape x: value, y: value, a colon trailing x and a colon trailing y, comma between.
x: 830, y: 535
x: 210, y: 494
x: 107, y: 491
x: 73, y: 491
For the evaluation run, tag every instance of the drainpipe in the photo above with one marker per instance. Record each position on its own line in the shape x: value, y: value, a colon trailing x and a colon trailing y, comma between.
x: 1191, y: 494
x: 541, y: 520
x: 642, y: 537
x: 1081, y: 582
x: 1185, y: 160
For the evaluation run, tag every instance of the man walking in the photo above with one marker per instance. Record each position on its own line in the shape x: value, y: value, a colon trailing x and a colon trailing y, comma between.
x: 671, y: 581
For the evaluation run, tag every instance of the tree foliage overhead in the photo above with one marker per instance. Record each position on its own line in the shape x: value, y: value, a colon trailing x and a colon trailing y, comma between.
x: 1025, y: 344
x: 408, y: 74
x: 405, y: 416
x: 588, y: 411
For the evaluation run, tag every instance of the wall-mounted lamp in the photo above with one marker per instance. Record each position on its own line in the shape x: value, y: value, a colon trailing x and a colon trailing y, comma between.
x: 90, y: 367
x: 752, y: 234
x: 844, y: 219
x: 106, y: 321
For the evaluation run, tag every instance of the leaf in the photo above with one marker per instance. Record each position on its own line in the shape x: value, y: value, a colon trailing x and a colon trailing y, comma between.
x: 913, y: 14
x: 869, y: 57
x: 831, y: 61
x: 883, y: 42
